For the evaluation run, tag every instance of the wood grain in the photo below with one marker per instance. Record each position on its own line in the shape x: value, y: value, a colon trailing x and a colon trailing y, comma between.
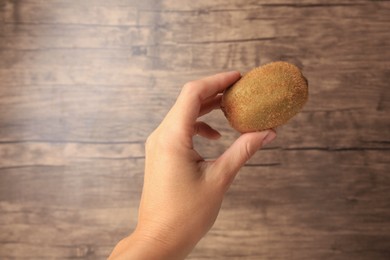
x: 83, y: 83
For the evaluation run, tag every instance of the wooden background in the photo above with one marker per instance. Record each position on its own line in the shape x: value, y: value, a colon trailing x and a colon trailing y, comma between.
x: 83, y: 83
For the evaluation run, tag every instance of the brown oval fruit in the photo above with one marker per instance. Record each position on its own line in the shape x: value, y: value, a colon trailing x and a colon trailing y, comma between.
x: 265, y: 97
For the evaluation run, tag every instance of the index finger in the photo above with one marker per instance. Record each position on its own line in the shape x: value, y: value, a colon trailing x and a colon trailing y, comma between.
x: 194, y: 93
x: 201, y: 89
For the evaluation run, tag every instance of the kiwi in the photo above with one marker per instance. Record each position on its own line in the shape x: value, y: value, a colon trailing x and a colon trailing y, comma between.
x: 265, y: 97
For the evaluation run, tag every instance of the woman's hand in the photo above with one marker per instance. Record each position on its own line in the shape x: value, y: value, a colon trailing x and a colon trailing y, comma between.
x: 182, y: 193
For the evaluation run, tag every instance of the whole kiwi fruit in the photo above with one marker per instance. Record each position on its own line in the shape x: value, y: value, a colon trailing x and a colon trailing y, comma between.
x: 265, y: 97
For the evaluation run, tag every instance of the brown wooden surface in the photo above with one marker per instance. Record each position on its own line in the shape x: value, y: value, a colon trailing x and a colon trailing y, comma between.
x: 83, y: 83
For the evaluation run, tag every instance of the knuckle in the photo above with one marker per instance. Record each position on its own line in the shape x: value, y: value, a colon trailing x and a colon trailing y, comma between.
x: 247, y: 151
x: 193, y: 90
x: 157, y: 141
x: 186, y: 90
x: 188, y: 86
x: 224, y: 177
x: 150, y: 140
x: 147, y: 144
x: 225, y: 182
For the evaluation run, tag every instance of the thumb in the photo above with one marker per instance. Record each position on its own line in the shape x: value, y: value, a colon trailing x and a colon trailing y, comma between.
x: 230, y: 162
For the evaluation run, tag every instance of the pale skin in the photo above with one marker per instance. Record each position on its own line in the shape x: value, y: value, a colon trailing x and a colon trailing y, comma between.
x: 182, y: 192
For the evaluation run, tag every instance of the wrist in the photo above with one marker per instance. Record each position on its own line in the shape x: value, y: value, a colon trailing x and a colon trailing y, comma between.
x: 145, y: 246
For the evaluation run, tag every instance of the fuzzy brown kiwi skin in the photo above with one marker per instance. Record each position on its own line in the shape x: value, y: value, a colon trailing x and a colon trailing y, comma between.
x: 265, y: 97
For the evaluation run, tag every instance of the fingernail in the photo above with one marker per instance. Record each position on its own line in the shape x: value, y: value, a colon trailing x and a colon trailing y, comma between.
x: 269, y: 137
x: 233, y: 72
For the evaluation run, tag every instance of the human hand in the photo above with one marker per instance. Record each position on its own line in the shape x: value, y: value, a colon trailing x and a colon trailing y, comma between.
x: 182, y: 192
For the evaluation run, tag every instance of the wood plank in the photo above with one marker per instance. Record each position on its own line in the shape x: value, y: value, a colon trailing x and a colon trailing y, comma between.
x: 29, y: 37
x: 63, y: 12
x: 282, y: 209
x: 82, y: 84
